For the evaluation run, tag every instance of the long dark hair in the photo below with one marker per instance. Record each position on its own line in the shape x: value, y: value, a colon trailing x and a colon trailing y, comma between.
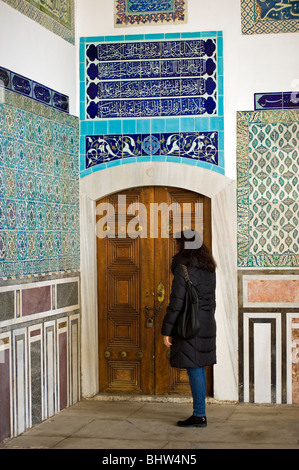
x: 199, y: 255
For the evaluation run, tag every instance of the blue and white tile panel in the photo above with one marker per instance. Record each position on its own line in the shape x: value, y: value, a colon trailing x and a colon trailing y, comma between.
x: 280, y: 100
x: 34, y: 90
x: 150, y: 86
x: 199, y: 146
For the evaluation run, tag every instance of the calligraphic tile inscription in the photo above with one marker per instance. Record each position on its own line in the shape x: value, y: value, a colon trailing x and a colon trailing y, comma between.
x: 161, y: 78
x: 271, y: 16
x: 152, y: 98
x: 281, y: 100
x: 148, y: 12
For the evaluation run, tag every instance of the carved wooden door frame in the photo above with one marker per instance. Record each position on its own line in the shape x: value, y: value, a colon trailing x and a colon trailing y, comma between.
x: 134, y: 282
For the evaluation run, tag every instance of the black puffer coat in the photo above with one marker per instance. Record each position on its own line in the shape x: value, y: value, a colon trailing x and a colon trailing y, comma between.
x: 201, y: 350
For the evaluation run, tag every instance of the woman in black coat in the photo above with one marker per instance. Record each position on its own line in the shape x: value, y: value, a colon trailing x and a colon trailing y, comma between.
x: 196, y: 353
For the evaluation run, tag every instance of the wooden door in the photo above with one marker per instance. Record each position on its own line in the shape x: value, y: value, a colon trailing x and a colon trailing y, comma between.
x: 135, y: 245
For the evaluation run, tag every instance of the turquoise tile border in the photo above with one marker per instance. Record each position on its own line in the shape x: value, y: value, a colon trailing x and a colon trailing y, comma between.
x: 114, y: 127
x: 172, y: 35
x: 143, y: 126
x: 115, y: 38
x: 100, y: 127
x: 128, y: 126
x: 172, y: 125
x: 158, y: 125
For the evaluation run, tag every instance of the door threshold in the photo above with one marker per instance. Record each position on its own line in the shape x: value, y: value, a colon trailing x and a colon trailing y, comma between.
x: 143, y: 398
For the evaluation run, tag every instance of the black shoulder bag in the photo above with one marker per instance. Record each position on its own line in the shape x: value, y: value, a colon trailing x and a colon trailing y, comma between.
x: 187, y: 324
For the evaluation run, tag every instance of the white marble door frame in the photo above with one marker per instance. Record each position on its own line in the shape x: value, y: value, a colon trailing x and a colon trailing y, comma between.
x: 222, y: 192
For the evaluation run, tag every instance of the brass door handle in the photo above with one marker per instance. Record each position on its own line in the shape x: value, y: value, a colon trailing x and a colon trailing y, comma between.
x: 161, y: 292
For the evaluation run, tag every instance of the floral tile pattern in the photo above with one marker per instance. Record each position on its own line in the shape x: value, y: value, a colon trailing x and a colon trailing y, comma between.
x: 198, y: 146
x: 57, y: 16
x: 273, y: 16
x: 39, y: 190
x: 143, y: 12
x: 267, y: 188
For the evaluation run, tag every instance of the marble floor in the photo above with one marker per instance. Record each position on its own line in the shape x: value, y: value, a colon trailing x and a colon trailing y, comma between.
x: 98, y: 424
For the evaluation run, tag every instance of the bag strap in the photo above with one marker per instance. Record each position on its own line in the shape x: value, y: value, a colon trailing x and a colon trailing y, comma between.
x: 185, y: 272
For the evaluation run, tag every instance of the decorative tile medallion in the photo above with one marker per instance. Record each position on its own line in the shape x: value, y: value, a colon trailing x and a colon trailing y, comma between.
x: 57, y: 16
x: 25, y: 86
x: 143, y: 12
x: 267, y: 188
x: 39, y: 190
x: 283, y: 100
x: 272, y: 16
x: 152, y: 98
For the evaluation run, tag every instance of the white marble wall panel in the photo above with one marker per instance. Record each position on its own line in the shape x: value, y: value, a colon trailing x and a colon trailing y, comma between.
x: 74, y: 345
x: 35, y: 373
x: 89, y: 298
x: 6, y: 408
x: 262, y: 362
x: 262, y: 356
x: 50, y: 406
x: 62, y: 361
x: 224, y: 238
x: 20, y: 381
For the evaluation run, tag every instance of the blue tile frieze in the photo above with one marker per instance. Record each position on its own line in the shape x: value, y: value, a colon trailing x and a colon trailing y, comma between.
x: 34, y: 90
x: 151, y: 50
x: 281, y: 100
x: 160, y: 78
x: 196, y: 146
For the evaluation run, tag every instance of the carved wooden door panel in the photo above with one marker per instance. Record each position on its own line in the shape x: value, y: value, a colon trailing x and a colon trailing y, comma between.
x: 134, y: 282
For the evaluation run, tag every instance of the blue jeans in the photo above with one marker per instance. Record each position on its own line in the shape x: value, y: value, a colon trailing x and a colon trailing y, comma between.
x: 197, y: 379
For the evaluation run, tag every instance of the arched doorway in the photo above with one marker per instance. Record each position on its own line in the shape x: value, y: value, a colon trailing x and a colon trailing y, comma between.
x: 135, y: 246
x: 222, y: 192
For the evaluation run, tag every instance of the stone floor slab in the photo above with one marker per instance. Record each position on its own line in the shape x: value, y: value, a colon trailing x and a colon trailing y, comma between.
x: 96, y: 424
